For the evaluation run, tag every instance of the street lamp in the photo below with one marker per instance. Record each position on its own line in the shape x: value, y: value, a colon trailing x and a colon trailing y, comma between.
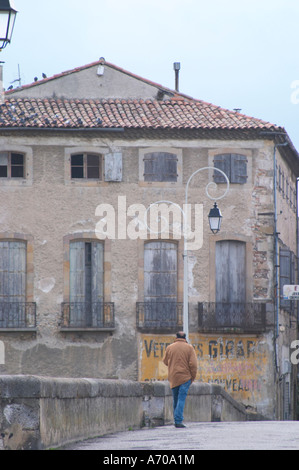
x: 7, y: 22
x: 215, y: 218
x: 214, y: 221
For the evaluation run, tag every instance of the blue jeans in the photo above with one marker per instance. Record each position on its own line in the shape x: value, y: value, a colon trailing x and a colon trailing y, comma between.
x: 179, y: 395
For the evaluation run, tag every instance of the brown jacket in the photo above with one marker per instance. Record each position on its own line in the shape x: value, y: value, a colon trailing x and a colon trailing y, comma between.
x: 181, y: 360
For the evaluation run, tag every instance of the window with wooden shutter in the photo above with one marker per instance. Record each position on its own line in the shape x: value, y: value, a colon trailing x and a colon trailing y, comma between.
x: 233, y: 165
x: 86, y: 283
x: 160, y: 167
x: 12, y: 284
x: 230, y: 263
x: 160, y: 283
x: 230, y: 271
x: 160, y: 271
x: 286, y: 275
x: 12, y: 271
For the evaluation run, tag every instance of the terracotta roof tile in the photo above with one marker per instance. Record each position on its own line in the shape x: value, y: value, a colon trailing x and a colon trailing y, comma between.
x: 128, y: 114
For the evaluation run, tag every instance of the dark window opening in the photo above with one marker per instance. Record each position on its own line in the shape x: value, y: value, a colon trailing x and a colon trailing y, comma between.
x: 11, y: 165
x: 17, y: 165
x: 87, y: 166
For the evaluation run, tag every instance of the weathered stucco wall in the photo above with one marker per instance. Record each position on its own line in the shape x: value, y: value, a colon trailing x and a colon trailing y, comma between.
x: 87, y: 83
x: 51, y: 209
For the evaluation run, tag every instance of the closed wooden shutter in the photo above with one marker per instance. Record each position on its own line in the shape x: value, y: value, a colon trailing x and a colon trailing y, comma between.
x: 113, y: 166
x: 160, y: 283
x: 150, y: 167
x: 230, y: 283
x: 97, y: 282
x: 12, y: 271
x: 160, y: 271
x: 12, y: 284
x: 238, y: 169
x: 233, y: 165
x: 97, y: 270
x: 160, y: 166
x: 170, y: 167
x: 86, y: 282
x: 77, y: 272
x: 230, y: 271
x: 222, y: 162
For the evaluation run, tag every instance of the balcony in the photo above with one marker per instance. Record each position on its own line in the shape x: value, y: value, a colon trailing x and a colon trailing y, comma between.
x: 159, y: 316
x: 16, y: 316
x: 232, y: 317
x: 87, y: 316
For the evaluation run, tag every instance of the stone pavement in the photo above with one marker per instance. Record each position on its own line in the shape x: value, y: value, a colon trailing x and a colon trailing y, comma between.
x: 257, y: 435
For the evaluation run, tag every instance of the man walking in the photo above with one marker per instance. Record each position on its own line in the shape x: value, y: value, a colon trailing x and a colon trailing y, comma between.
x: 180, y: 358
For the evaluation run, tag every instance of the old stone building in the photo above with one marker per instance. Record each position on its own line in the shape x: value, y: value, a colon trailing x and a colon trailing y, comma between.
x: 89, y: 287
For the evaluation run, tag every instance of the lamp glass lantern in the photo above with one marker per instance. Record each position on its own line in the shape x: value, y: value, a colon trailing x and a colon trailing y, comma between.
x: 215, y: 218
x: 7, y: 21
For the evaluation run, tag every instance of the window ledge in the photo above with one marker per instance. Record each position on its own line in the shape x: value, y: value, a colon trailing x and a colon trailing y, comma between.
x: 159, y: 184
x: 82, y: 329
x: 18, y: 330
x: 85, y: 182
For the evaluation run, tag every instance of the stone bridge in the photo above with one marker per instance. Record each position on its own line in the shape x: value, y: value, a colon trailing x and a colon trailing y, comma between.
x: 45, y: 412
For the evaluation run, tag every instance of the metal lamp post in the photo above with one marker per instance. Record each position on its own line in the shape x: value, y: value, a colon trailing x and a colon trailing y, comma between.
x: 7, y: 21
x: 215, y: 219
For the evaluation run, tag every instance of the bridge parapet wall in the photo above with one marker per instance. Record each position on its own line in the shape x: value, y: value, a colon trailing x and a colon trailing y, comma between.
x: 45, y: 412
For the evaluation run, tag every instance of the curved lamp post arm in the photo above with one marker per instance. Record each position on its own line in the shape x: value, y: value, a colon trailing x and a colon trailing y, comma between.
x: 210, y: 184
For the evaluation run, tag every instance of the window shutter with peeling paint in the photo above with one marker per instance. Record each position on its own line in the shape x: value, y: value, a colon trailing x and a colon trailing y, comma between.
x: 113, y: 166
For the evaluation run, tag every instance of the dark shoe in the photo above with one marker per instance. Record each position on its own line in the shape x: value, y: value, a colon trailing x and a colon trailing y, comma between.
x: 179, y: 425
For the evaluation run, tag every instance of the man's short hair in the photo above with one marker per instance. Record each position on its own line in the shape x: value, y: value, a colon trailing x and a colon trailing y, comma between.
x: 181, y: 334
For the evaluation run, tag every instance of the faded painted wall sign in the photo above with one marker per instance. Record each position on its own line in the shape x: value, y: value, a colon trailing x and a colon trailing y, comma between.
x: 239, y: 364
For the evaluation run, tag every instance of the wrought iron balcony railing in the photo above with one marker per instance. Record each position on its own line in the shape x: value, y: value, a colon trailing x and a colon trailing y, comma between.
x: 17, y: 315
x: 87, y: 315
x: 221, y: 316
x: 159, y: 315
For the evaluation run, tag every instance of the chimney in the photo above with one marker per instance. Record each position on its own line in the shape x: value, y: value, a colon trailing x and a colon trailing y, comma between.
x: 176, y: 68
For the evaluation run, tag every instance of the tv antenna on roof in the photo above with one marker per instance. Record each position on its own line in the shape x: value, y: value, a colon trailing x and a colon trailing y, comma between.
x: 18, y: 79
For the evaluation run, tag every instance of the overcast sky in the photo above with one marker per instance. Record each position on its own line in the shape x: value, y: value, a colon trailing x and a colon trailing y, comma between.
x: 233, y: 53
